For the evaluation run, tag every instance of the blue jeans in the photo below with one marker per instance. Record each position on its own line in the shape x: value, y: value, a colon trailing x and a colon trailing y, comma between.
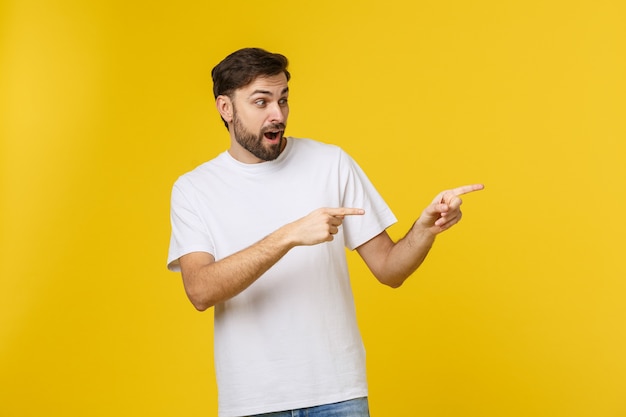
x: 351, y: 408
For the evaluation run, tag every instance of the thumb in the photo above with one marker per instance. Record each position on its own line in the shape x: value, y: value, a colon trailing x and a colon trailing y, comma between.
x: 432, y: 213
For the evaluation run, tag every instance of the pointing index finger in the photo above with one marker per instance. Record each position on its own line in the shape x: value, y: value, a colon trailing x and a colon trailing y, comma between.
x: 345, y: 211
x: 467, y: 189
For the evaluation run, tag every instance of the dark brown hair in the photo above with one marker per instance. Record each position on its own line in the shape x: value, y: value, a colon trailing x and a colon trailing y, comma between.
x: 243, y: 66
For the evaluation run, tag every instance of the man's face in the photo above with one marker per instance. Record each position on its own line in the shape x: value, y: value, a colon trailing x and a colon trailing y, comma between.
x: 260, y: 112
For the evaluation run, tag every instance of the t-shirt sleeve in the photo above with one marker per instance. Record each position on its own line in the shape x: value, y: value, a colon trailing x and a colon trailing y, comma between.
x: 189, y: 232
x: 359, y: 192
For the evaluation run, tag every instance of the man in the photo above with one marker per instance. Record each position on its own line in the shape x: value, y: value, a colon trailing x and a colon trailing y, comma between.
x: 259, y: 232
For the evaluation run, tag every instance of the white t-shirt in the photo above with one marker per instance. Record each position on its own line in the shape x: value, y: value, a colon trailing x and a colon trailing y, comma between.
x: 290, y: 340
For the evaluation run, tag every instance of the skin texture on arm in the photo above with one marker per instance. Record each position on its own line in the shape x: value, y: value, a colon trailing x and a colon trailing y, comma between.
x: 208, y: 282
x: 393, y: 262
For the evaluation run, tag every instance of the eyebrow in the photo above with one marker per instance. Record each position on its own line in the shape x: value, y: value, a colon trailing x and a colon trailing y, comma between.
x: 269, y: 93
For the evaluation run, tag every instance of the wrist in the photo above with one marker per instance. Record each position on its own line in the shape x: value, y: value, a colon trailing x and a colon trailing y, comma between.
x: 283, y: 238
x: 422, y: 233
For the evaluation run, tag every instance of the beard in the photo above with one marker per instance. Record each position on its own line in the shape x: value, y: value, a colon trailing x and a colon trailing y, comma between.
x: 253, y: 143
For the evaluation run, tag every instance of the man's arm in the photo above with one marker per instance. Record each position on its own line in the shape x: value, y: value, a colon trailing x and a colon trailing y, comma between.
x: 208, y: 282
x: 393, y: 262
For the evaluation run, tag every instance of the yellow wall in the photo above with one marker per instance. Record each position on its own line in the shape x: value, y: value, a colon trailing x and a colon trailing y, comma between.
x: 520, y: 309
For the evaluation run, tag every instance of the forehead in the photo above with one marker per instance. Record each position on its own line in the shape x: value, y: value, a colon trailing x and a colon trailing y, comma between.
x: 271, y: 85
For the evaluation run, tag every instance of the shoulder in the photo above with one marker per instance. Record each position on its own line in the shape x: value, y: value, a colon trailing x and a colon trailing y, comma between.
x: 320, y: 156
x: 313, y: 147
x: 200, y: 176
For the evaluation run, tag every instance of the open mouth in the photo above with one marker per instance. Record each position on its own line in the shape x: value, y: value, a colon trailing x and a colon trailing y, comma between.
x: 273, y: 135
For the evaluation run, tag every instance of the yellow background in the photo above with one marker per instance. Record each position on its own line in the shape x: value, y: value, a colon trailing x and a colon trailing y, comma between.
x: 519, y: 311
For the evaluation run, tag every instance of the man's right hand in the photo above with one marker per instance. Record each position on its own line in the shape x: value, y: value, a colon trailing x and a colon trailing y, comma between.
x: 319, y: 226
x: 208, y: 282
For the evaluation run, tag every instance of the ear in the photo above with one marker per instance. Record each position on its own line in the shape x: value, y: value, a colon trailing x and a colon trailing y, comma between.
x: 225, y: 107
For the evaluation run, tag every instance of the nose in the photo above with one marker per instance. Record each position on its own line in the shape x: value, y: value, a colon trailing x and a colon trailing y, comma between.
x: 278, y: 113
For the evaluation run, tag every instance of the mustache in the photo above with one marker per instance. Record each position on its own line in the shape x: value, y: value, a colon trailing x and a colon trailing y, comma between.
x: 273, y: 126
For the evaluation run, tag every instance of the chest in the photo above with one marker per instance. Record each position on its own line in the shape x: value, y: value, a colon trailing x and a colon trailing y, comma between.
x: 239, y: 211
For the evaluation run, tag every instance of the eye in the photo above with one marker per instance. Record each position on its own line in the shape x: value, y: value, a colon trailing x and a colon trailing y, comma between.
x: 260, y: 102
x: 283, y: 101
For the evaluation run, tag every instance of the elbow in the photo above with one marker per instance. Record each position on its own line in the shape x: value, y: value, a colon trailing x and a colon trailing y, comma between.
x: 199, y: 300
x: 201, y: 305
x: 390, y: 275
x: 198, y: 293
x: 394, y: 285
x: 393, y: 281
